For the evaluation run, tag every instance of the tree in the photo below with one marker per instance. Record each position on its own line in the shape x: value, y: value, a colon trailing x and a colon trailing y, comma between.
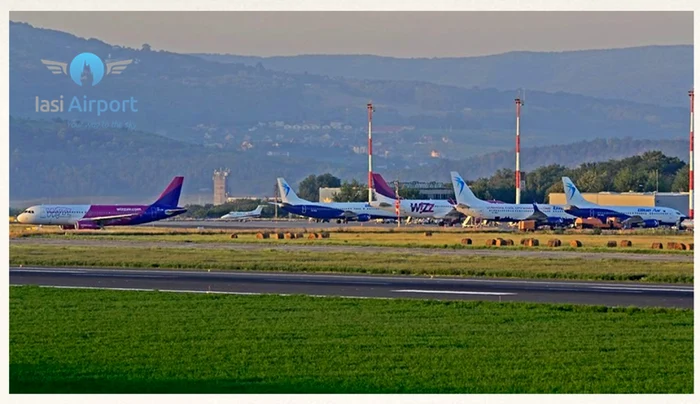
x: 351, y: 192
x: 145, y: 48
x: 308, y: 187
x: 626, y: 180
x: 408, y: 193
x: 681, y: 180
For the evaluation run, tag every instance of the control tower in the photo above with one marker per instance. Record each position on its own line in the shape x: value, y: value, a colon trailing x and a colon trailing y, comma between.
x: 220, y: 177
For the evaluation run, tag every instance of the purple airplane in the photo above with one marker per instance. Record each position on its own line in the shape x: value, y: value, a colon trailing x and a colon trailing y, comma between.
x: 99, y: 216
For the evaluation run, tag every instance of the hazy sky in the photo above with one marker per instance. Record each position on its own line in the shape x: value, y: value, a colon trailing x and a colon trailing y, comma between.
x: 401, y: 34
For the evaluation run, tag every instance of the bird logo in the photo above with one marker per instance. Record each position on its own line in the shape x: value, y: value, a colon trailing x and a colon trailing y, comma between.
x: 87, y: 69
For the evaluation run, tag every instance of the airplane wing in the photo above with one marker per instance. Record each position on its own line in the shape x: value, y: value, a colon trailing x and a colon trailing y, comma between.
x: 111, y: 217
x: 348, y: 214
x: 453, y: 214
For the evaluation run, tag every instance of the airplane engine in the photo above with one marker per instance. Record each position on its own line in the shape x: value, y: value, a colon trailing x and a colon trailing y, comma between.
x: 86, y: 225
x: 651, y: 223
x: 363, y: 218
x: 67, y: 227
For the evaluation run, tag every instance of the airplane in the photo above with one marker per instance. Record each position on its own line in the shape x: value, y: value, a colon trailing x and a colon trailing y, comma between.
x: 630, y: 216
x: 470, y: 205
x: 385, y: 198
x: 98, y: 216
x: 340, y: 211
x: 243, y: 215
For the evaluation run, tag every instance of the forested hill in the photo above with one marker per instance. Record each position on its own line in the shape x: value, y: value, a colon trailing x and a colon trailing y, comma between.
x: 50, y: 159
x: 568, y: 155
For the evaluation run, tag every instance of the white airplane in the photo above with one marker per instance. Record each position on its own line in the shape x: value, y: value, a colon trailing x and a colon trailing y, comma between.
x: 470, y: 205
x: 340, y: 211
x: 629, y: 215
x: 385, y: 198
x: 243, y: 215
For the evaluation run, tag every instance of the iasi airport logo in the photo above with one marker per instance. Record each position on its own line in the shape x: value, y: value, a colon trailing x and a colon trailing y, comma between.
x: 87, y: 70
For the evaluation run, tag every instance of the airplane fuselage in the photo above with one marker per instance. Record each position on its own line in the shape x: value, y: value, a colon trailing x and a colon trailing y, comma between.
x: 510, y: 212
x: 70, y: 215
x: 664, y: 216
x: 327, y: 211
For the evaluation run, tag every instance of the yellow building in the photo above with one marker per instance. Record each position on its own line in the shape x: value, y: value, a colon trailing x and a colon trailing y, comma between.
x: 675, y: 200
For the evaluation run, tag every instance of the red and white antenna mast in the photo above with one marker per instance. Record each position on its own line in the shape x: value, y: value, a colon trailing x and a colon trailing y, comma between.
x: 370, y: 185
x: 518, y: 104
x: 691, y: 162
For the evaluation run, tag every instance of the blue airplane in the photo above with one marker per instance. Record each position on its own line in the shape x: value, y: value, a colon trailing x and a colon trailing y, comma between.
x: 340, y: 211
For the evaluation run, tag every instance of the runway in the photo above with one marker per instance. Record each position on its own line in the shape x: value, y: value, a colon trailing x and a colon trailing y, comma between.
x: 361, y: 286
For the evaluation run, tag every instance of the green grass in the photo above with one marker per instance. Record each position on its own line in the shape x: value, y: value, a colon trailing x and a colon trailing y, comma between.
x: 95, y: 341
x: 384, y: 263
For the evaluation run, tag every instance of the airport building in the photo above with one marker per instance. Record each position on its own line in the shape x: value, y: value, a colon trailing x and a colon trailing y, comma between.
x: 326, y: 194
x: 675, y: 200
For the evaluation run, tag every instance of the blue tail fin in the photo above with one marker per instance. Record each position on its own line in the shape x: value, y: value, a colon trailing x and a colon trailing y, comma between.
x: 171, y: 196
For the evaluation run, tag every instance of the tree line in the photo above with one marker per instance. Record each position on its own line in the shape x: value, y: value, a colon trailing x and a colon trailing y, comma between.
x: 649, y: 172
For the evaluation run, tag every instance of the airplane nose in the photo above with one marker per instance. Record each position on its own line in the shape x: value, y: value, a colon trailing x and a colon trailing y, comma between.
x: 22, y: 217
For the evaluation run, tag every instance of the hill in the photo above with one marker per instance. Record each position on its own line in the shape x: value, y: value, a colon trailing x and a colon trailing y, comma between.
x: 52, y: 159
x: 658, y: 75
x: 229, y: 105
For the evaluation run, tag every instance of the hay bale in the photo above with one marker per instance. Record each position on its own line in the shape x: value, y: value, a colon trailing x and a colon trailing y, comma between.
x: 612, y: 243
x: 491, y: 242
x: 277, y: 236
x: 532, y: 242
x: 428, y: 234
x: 555, y: 242
x: 690, y: 246
x: 523, y: 241
x: 466, y: 241
x: 300, y: 235
x: 234, y: 235
x: 657, y: 246
x: 575, y: 243
x: 510, y: 242
x: 626, y: 243
x: 672, y: 245
x: 262, y: 235
x: 290, y: 236
x: 312, y: 236
x: 325, y: 234
x: 681, y: 246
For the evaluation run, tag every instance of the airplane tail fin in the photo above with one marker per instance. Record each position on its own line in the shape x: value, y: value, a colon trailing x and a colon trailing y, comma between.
x: 382, y: 187
x: 572, y: 194
x: 287, y: 193
x: 258, y: 210
x: 464, y: 195
x: 171, y: 196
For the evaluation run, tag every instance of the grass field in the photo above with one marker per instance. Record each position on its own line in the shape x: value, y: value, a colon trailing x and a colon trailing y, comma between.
x: 383, y: 238
x: 92, y: 341
x: 384, y: 263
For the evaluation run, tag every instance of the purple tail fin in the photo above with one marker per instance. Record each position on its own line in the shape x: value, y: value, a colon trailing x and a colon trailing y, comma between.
x: 170, y: 197
x: 382, y: 187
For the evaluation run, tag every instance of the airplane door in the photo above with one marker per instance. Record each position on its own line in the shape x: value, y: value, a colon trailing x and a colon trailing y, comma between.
x: 303, y: 209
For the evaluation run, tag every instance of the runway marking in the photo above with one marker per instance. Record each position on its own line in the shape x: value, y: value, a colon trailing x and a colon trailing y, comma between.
x: 643, y: 289
x: 213, y: 292
x: 454, y: 292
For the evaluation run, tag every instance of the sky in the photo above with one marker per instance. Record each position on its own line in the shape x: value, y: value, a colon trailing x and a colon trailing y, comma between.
x: 398, y: 34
